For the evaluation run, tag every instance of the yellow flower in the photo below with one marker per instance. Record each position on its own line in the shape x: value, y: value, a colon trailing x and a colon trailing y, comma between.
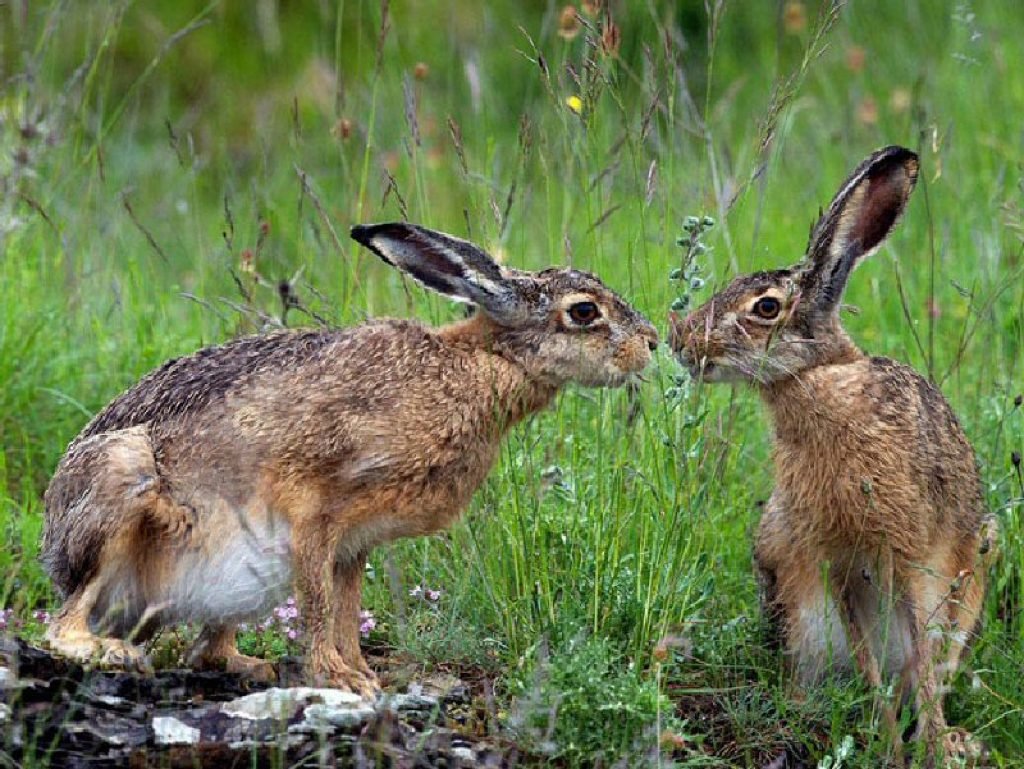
x: 575, y: 103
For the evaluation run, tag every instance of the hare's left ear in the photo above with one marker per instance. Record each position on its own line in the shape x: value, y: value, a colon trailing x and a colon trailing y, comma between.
x: 449, y: 265
x: 861, y: 216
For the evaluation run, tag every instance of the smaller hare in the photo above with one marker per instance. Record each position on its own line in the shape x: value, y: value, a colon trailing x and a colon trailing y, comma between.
x: 868, y: 549
x: 206, y: 490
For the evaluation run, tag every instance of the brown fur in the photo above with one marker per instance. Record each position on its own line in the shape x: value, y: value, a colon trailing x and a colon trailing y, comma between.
x: 325, y: 443
x: 869, y: 548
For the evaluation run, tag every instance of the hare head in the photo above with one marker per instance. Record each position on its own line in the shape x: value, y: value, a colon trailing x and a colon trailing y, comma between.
x: 561, y: 325
x: 772, y: 325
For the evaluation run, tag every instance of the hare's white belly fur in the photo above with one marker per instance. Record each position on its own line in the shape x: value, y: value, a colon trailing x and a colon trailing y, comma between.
x: 238, y: 578
x: 237, y: 567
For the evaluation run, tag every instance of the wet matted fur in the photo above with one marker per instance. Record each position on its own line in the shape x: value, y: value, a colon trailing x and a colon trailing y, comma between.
x: 869, y: 550
x: 221, y: 480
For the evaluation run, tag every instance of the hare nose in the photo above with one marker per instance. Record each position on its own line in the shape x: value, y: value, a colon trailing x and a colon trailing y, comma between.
x: 651, y: 333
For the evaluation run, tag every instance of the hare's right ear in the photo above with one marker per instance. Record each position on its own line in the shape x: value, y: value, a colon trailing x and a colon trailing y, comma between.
x: 861, y: 216
x: 449, y: 265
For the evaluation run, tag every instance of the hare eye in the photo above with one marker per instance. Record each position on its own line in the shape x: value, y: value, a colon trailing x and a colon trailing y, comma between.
x: 584, y: 313
x: 767, y: 307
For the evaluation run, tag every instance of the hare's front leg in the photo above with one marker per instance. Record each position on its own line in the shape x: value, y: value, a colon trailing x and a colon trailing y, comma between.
x: 348, y: 593
x: 927, y: 623
x: 860, y: 644
x: 314, y: 548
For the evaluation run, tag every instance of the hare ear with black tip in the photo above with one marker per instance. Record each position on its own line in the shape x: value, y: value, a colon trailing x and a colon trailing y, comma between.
x: 451, y: 266
x: 859, y: 219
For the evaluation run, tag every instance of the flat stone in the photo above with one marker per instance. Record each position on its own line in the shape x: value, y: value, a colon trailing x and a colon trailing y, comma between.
x: 284, y: 704
x: 170, y: 731
x: 322, y: 715
x: 464, y: 754
x: 6, y: 677
x: 404, y: 702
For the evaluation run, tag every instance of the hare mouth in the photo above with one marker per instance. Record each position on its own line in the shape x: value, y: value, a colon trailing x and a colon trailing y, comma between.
x: 702, y: 369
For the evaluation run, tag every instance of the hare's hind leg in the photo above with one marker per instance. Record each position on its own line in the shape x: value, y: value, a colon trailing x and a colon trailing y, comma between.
x: 949, y: 596
x: 216, y: 649
x: 108, y: 516
x: 70, y: 634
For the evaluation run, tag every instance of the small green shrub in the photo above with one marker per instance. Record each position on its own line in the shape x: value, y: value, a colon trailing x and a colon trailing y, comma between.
x: 583, y: 706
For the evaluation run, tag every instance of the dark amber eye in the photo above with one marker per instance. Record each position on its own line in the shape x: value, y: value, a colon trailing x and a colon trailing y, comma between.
x: 584, y: 313
x: 767, y: 307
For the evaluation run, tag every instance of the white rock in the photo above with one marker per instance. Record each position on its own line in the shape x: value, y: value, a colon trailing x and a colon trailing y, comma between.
x: 464, y: 754
x: 282, y: 704
x: 171, y: 731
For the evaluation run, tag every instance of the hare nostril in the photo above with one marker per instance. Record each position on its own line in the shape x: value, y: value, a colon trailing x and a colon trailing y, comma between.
x: 652, y: 345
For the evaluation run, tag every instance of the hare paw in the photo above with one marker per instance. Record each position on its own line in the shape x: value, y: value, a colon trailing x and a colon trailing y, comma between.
x: 250, y: 668
x: 87, y: 648
x: 334, y: 672
x: 963, y: 750
x: 120, y: 654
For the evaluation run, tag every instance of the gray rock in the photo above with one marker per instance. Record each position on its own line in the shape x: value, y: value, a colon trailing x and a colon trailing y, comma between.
x: 180, y: 719
x: 411, y: 702
x: 170, y: 731
x: 323, y: 716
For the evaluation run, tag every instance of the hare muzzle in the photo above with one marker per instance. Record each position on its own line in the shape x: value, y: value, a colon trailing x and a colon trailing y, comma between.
x: 690, y: 340
x: 634, y: 354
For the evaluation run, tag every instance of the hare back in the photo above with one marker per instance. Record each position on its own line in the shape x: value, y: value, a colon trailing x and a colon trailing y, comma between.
x: 869, y: 453
x: 191, y: 384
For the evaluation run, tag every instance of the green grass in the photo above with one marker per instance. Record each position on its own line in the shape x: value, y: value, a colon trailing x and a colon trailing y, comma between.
x: 145, y: 147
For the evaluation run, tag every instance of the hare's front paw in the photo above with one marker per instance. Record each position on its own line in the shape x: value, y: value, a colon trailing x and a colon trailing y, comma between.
x: 963, y: 750
x: 330, y: 669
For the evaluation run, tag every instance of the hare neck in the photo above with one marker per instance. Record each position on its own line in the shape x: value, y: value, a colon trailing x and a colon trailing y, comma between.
x: 502, y: 385
x: 804, y: 405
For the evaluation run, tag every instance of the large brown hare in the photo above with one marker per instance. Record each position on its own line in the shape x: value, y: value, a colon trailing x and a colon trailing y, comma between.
x: 870, y: 547
x: 204, y: 492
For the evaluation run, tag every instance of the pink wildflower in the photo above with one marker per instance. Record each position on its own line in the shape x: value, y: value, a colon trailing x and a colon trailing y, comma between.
x: 366, y: 622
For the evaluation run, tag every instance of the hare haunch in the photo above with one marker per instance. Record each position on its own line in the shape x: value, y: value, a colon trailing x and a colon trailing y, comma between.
x: 208, y: 489
x: 869, y: 549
